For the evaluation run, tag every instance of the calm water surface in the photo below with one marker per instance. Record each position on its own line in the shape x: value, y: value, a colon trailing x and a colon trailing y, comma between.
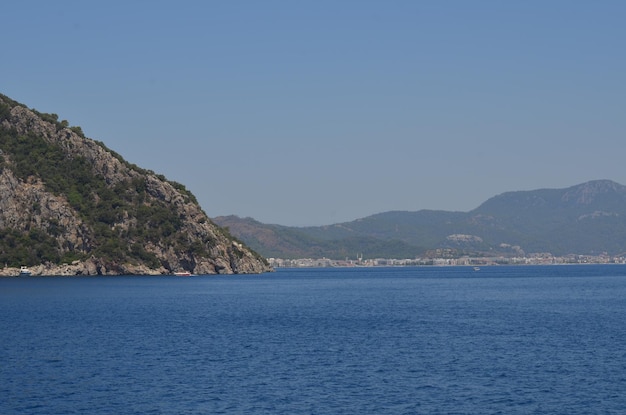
x: 503, y: 340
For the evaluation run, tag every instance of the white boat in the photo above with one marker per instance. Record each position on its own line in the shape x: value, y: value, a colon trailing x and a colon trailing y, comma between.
x: 183, y: 274
x: 476, y: 268
x: 24, y: 272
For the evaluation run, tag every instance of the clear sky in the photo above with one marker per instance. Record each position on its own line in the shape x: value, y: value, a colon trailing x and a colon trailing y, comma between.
x: 318, y: 112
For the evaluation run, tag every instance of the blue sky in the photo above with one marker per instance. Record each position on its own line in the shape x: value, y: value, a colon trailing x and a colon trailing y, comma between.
x: 319, y: 112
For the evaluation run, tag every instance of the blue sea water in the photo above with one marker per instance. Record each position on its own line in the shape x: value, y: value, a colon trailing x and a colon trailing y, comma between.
x: 449, y: 340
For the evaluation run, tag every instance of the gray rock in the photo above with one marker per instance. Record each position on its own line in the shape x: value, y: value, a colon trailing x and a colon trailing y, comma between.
x: 27, y: 204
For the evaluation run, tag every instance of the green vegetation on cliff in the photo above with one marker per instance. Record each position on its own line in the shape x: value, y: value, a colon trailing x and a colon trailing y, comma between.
x: 100, y: 206
x: 124, y: 214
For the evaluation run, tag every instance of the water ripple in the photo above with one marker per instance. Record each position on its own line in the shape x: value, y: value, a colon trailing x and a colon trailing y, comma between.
x: 405, y: 341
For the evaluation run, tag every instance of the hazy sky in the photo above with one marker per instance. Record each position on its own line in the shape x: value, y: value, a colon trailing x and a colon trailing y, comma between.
x: 319, y: 112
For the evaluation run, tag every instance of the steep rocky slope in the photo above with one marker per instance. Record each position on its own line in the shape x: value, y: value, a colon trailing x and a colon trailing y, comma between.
x: 68, y: 205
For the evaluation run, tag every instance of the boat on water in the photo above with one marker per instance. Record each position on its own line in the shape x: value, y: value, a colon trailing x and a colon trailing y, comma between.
x: 24, y: 272
x: 476, y: 268
x: 183, y: 274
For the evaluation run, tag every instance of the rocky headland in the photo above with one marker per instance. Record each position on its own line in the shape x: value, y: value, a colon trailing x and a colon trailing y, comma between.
x: 71, y: 206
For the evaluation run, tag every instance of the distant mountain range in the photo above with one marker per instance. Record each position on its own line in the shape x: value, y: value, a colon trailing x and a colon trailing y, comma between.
x: 588, y: 218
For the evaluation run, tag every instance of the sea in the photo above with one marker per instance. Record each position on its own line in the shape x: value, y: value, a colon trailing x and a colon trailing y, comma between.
x: 415, y: 340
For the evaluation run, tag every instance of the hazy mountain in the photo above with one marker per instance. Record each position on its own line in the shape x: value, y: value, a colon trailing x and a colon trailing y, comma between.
x: 68, y: 205
x: 331, y: 242
x: 589, y: 218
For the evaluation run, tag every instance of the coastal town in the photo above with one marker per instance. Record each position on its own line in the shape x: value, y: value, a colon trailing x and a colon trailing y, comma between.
x: 530, y: 259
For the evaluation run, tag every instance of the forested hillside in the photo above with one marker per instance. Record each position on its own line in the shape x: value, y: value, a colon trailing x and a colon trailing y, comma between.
x: 589, y: 218
x: 67, y: 199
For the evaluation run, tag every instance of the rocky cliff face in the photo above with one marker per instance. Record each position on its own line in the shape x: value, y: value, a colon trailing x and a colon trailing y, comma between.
x: 71, y: 206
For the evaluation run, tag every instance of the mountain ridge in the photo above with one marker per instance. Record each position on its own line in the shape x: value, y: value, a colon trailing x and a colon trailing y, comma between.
x: 587, y: 218
x: 71, y: 206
